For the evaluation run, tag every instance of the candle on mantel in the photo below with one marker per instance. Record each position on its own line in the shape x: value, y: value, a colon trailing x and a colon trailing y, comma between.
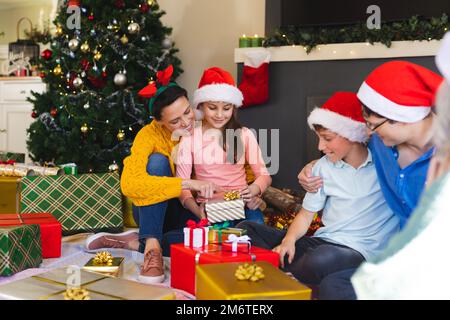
x: 245, y: 42
x: 257, y: 41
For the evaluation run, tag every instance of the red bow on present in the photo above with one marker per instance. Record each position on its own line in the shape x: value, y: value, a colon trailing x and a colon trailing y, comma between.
x: 11, y: 162
x: 191, y: 224
x: 163, y: 78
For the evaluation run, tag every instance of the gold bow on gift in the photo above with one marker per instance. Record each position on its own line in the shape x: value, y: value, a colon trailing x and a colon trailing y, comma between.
x: 231, y: 195
x: 249, y: 272
x: 103, y: 258
x: 76, y: 294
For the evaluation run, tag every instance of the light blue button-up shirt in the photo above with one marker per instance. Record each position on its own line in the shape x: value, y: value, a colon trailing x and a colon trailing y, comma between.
x: 355, y: 213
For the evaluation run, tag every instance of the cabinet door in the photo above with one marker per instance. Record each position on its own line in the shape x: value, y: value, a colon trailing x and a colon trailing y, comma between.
x: 16, y: 119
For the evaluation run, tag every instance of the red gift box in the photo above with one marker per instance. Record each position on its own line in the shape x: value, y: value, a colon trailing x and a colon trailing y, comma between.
x: 51, y: 230
x: 184, y: 260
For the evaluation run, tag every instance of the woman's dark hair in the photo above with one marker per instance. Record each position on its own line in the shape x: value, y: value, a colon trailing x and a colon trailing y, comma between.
x: 367, y: 112
x: 166, y: 98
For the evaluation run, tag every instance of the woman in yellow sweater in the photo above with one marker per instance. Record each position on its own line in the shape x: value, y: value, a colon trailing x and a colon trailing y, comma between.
x: 148, y: 179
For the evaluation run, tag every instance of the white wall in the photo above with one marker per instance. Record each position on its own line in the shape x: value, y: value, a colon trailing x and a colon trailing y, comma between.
x: 207, y: 31
x: 38, y: 12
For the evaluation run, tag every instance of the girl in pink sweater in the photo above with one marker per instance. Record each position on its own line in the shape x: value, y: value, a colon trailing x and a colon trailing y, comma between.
x: 220, y: 147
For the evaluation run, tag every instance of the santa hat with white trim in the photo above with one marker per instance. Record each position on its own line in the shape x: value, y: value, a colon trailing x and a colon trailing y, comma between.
x: 217, y: 84
x: 342, y: 114
x: 400, y: 91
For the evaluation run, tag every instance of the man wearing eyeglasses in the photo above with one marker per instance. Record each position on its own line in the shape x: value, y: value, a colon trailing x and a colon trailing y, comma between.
x: 397, y: 99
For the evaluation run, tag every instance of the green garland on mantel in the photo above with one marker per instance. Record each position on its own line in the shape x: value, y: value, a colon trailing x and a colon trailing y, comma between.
x: 415, y: 28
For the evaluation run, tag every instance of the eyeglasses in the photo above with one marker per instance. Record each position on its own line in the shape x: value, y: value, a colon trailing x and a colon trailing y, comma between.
x: 375, y: 127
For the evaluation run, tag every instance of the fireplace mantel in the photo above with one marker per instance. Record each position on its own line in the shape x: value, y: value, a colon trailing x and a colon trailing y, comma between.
x: 348, y: 51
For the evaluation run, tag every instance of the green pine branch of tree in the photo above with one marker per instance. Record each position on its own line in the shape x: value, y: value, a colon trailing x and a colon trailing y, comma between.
x: 91, y: 112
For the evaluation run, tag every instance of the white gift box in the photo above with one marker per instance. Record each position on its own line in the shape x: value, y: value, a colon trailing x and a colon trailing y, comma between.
x: 200, y: 237
x: 220, y: 210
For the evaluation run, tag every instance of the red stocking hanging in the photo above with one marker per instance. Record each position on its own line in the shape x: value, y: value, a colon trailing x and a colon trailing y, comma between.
x: 255, y: 77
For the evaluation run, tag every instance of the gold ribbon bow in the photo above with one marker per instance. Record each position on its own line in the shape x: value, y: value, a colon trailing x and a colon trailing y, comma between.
x: 231, y: 195
x: 103, y: 258
x: 76, y: 294
x: 249, y: 272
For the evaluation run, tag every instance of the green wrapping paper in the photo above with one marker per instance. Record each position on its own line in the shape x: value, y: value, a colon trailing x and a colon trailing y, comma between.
x: 81, y: 203
x: 20, y: 248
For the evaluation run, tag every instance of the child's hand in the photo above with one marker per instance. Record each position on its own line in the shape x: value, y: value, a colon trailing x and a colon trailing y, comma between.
x: 287, y: 246
x: 307, y: 181
x: 202, y: 213
x: 249, y: 192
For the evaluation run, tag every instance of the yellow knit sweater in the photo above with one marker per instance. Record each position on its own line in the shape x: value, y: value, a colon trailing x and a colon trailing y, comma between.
x: 137, y: 184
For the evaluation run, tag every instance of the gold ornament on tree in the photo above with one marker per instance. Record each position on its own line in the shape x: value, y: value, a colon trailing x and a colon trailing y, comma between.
x: 73, y: 44
x: 59, y: 31
x: 134, y: 28
x: 121, y: 135
x: 97, y: 55
x: 84, y: 47
x: 124, y: 39
x: 57, y: 70
x: 84, y: 128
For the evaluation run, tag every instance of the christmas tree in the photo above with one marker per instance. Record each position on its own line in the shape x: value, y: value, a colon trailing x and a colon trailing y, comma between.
x: 91, y: 112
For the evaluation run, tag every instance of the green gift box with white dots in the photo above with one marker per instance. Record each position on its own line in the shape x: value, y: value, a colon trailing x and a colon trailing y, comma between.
x: 81, y: 203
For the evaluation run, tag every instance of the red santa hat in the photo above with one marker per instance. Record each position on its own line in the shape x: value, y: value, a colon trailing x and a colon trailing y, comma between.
x: 342, y: 114
x: 400, y: 91
x: 217, y: 85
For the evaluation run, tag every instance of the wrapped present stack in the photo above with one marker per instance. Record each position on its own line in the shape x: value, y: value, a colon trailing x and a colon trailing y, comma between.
x: 20, y: 248
x: 232, y: 207
x: 219, y: 232
x: 185, y: 257
x: 50, y: 230
x: 53, y: 285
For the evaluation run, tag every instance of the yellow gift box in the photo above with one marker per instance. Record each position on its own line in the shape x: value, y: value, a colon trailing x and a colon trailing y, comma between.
x: 217, y: 236
x: 115, y: 269
x: 9, y: 199
x: 52, y: 285
x: 218, y: 282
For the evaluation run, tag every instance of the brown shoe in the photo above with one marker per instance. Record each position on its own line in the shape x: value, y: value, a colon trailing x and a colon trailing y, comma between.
x: 111, y: 240
x: 152, y: 270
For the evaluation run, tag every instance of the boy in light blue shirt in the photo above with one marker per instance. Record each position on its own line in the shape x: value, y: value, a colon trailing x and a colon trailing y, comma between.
x: 357, y: 221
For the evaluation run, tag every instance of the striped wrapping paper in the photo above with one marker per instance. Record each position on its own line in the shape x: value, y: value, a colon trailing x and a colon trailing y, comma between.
x: 219, y: 210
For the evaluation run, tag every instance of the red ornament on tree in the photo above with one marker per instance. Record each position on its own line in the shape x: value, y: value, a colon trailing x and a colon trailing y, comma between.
x: 53, y: 112
x: 34, y: 115
x: 47, y: 54
x: 120, y: 4
x: 91, y: 17
x: 144, y: 7
x: 104, y: 74
x: 42, y: 75
x: 85, y: 64
x: 96, y: 82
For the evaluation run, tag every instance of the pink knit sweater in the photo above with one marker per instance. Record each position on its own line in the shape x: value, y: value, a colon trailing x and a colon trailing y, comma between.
x: 203, y: 155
